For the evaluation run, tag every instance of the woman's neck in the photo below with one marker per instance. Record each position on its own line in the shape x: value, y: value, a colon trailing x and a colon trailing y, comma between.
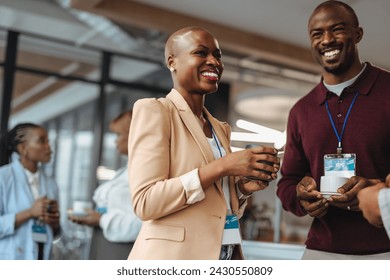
x: 31, y: 166
x: 195, y: 102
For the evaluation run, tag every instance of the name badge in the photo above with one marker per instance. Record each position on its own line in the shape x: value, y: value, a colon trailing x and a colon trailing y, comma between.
x: 340, y: 165
x: 231, y: 233
x: 101, y: 209
x: 39, y: 233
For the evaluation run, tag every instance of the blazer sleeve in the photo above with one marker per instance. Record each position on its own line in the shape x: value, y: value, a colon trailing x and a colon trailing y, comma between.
x: 154, y: 193
x: 7, y: 220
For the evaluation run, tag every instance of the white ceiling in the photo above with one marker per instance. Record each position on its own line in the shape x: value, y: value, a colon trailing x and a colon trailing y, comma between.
x: 286, y: 20
x: 283, y: 20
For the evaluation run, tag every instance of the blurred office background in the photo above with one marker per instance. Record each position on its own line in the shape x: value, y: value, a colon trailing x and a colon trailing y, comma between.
x: 73, y: 65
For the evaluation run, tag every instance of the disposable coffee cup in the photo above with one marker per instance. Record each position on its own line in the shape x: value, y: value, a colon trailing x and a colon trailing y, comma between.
x: 79, y: 207
x: 330, y: 184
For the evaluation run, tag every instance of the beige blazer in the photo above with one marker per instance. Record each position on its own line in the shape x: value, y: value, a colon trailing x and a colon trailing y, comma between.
x: 165, y: 142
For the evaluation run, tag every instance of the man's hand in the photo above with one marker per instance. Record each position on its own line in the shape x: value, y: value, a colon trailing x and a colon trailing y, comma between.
x: 348, y: 199
x: 311, y: 199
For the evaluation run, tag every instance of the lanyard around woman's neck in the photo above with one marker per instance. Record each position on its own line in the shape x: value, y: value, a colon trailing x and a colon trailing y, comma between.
x: 215, y: 137
x: 340, y: 137
x: 225, y: 187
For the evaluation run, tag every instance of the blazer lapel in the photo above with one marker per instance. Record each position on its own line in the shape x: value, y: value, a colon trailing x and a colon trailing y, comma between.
x: 192, y: 125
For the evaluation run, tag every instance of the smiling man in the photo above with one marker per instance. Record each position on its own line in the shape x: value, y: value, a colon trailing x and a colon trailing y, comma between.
x: 334, y: 35
x: 344, y: 118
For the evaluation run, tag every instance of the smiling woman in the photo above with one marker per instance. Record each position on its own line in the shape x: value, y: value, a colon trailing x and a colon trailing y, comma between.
x: 194, y: 54
x: 184, y: 204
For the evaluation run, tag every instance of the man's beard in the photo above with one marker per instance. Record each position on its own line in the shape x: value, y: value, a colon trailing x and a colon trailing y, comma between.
x: 338, y: 70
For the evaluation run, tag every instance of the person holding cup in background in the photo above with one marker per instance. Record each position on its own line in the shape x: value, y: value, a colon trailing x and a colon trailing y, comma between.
x: 186, y: 184
x: 115, y: 225
x: 29, y: 216
x: 339, y: 129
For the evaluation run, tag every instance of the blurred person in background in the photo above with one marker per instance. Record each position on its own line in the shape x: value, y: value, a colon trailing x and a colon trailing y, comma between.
x: 115, y: 226
x: 29, y: 216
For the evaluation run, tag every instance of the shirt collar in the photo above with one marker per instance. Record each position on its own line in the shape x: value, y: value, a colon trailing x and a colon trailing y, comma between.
x: 363, y: 84
x: 31, y: 176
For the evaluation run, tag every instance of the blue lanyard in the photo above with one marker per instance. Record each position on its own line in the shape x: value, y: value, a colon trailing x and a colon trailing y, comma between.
x: 216, y: 141
x: 339, y: 137
x: 214, y: 137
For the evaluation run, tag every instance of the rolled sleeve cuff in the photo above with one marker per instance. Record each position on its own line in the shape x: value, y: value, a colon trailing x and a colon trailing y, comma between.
x: 193, y: 188
x: 384, y: 207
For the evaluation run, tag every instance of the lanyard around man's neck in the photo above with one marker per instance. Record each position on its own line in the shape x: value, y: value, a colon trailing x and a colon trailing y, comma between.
x: 340, y: 137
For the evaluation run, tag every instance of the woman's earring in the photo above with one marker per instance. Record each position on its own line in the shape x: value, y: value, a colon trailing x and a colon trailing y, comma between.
x: 172, y: 69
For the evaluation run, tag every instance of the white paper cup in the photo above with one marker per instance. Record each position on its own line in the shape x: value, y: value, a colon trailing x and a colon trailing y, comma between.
x: 330, y: 184
x: 80, y: 206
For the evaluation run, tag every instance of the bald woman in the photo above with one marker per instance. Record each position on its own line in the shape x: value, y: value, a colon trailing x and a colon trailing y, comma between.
x: 186, y: 184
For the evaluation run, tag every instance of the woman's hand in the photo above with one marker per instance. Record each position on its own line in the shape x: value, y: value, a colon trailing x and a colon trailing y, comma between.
x: 248, y: 186
x: 39, y: 207
x: 259, y: 163
x: 92, y: 218
x: 52, y: 215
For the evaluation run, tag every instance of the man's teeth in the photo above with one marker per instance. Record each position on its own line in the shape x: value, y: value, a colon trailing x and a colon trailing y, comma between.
x: 210, y: 74
x: 331, y: 53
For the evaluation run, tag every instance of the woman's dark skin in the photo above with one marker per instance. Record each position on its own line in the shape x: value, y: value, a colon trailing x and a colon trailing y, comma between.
x: 195, y: 60
x: 33, y: 150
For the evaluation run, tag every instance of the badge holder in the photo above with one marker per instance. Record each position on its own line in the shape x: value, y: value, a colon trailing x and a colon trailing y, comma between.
x: 101, y: 209
x: 39, y: 233
x: 231, y: 232
x: 340, y: 165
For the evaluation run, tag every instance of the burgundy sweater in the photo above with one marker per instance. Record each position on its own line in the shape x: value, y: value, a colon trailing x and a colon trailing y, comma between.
x: 367, y: 134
